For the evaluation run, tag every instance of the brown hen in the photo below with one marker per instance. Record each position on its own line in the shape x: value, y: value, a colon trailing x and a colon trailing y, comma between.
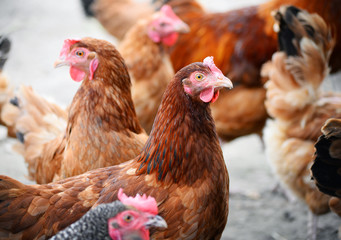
x: 296, y: 103
x: 240, y: 40
x: 181, y: 166
x: 144, y: 52
x: 99, y: 129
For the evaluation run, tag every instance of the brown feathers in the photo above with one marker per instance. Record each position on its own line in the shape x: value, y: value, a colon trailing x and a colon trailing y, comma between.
x: 150, y: 69
x: 296, y: 102
x: 181, y: 166
x: 100, y: 128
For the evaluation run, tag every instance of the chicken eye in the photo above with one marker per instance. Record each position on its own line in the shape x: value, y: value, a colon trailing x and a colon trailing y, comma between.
x: 128, y: 218
x: 80, y: 53
x: 163, y: 24
x: 199, y: 76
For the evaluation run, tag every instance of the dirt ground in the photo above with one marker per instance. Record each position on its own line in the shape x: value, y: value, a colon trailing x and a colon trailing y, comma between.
x: 37, y: 29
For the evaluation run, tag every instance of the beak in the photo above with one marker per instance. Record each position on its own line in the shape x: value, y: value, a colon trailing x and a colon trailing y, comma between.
x: 60, y: 62
x: 222, y: 82
x: 181, y: 27
x: 156, y: 221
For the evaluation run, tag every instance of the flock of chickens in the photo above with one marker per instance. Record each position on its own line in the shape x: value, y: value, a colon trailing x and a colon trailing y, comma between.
x: 150, y: 112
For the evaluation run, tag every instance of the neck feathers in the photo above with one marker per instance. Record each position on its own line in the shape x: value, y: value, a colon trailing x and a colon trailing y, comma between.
x: 183, y: 139
x: 106, y: 100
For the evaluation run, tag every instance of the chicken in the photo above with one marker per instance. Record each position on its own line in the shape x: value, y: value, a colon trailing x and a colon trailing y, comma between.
x: 181, y: 166
x: 126, y: 218
x: 6, y: 90
x: 102, y: 129
x: 326, y: 167
x: 296, y: 103
x: 149, y: 66
x: 241, y: 41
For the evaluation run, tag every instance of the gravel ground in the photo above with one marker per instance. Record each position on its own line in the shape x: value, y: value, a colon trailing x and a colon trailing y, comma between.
x: 37, y: 29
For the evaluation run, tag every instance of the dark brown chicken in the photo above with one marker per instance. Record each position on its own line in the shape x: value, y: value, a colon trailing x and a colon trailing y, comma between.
x: 181, y: 166
x: 100, y: 128
x: 327, y: 164
x: 298, y: 106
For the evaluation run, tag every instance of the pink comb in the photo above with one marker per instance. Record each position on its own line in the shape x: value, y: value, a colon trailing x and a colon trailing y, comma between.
x: 142, y: 203
x: 66, y: 46
x: 208, y: 61
x: 168, y: 11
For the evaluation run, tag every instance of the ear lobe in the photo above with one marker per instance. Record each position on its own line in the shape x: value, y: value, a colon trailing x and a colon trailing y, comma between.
x: 154, y: 36
x: 93, y: 66
x: 187, y: 83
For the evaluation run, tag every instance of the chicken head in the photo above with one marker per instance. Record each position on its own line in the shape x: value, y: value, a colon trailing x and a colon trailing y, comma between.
x: 166, y: 26
x: 206, y: 85
x: 83, y: 62
x: 134, y: 223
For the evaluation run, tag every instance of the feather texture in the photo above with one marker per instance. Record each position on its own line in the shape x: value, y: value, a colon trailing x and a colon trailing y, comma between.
x: 99, y: 129
x: 294, y: 100
x: 181, y: 166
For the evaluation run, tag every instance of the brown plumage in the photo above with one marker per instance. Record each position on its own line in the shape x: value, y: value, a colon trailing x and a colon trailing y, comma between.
x: 326, y: 168
x: 241, y: 41
x: 296, y: 103
x: 181, y: 166
x: 101, y: 130
x: 148, y: 63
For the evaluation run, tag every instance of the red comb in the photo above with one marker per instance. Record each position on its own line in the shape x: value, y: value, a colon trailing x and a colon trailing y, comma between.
x: 142, y: 203
x: 66, y: 46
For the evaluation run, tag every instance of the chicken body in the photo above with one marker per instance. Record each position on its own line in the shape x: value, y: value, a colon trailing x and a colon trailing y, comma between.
x: 181, y: 166
x: 326, y: 167
x: 297, y: 105
x: 148, y: 63
x: 101, y: 129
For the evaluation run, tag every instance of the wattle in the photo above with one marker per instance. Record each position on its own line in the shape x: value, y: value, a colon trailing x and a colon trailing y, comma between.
x: 171, y: 39
x: 76, y: 74
x: 206, y: 95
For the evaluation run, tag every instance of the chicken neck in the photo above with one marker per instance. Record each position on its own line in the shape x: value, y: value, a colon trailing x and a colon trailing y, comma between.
x: 183, y: 144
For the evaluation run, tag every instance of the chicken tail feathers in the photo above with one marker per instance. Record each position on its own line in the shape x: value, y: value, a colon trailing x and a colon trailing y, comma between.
x: 7, y: 183
x: 297, y: 71
x: 87, y: 7
x: 35, y: 122
x: 307, y: 41
x: 327, y: 164
x: 28, y: 112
